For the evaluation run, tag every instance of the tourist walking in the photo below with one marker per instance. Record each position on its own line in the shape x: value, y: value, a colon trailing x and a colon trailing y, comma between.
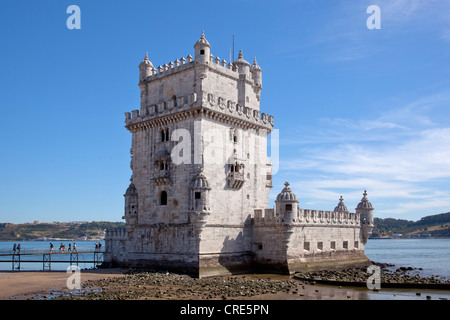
x: 14, y: 248
x: 18, y: 248
x: 70, y: 248
x: 96, y: 246
x: 99, y: 246
x: 74, y: 247
x: 51, y: 247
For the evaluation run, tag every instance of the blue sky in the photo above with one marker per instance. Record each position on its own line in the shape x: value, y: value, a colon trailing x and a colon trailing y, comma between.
x: 356, y: 108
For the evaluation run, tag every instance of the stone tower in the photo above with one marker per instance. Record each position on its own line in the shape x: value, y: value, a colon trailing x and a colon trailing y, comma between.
x: 198, y: 200
x: 199, y: 164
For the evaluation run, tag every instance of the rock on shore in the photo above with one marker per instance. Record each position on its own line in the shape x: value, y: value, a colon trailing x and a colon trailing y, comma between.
x: 360, y: 275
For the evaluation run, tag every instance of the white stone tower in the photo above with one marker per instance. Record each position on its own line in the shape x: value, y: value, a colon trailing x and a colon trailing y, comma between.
x: 198, y: 200
x: 199, y: 164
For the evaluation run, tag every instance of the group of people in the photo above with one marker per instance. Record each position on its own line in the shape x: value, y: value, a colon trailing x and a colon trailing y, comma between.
x: 62, y: 247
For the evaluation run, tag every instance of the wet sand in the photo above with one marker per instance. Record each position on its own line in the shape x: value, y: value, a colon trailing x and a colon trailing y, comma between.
x: 112, y: 284
x: 23, y: 285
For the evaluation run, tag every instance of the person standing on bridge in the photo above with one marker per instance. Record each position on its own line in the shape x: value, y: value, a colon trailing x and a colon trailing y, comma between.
x: 18, y: 248
x: 51, y: 247
x: 14, y: 248
x: 70, y: 248
x: 74, y: 247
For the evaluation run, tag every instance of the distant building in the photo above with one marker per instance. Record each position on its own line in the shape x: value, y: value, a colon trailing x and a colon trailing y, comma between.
x: 207, y: 217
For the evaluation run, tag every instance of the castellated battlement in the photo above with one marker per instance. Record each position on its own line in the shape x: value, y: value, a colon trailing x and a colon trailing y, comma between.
x: 309, y: 217
x: 116, y: 234
x: 204, y: 100
x: 183, y: 64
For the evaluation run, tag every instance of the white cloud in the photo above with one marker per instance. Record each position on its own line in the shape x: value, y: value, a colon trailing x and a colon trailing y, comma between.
x: 403, y: 163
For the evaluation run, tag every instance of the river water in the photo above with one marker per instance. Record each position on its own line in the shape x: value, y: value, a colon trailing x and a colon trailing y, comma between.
x: 432, y: 255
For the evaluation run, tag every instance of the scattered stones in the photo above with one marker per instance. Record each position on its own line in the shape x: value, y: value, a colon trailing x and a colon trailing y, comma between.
x: 155, y: 285
x: 360, y: 275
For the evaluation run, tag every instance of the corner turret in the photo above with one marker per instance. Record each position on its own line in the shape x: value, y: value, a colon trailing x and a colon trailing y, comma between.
x: 286, y: 205
x: 256, y: 73
x: 365, y: 210
x: 145, y: 68
x: 131, y: 206
x: 202, y: 50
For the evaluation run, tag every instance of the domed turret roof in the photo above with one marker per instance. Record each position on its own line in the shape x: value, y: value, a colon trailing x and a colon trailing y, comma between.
x: 255, y: 65
x: 202, y: 41
x: 365, y: 203
x: 146, y: 62
x: 199, y: 182
x: 131, y: 191
x: 241, y: 59
x: 341, y: 207
x: 286, y: 194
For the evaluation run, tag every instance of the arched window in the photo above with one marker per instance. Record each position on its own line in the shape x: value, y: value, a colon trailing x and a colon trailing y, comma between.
x: 163, y: 135
x: 163, y: 198
x: 167, y: 134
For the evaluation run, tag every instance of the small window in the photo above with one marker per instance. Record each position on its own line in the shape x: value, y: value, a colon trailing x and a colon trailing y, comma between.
x: 306, y: 245
x: 202, y: 51
x: 198, y: 195
x: 356, y: 244
x: 260, y: 246
x: 163, y: 135
x: 163, y: 198
x: 320, y: 245
x: 289, y: 207
x: 333, y: 245
x: 345, y: 244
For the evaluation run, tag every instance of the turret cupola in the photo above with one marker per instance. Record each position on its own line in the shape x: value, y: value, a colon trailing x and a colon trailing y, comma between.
x: 341, y: 207
x: 287, y: 204
x: 365, y: 210
x: 199, y: 194
x: 256, y: 73
x: 242, y: 64
x: 365, y: 203
x: 202, y: 50
x: 145, y: 68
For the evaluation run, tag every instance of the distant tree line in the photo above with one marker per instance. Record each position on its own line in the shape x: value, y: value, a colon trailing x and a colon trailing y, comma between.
x: 389, y: 226
x: 62, y: 230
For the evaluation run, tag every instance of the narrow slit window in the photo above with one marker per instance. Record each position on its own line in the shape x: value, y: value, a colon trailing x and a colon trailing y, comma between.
x: 163, y: 198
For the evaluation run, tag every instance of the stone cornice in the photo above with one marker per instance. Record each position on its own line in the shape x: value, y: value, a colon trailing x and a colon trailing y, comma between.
x: 203, y: 104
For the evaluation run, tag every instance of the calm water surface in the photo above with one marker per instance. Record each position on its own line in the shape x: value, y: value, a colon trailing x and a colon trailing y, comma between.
x: 432, y: 255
